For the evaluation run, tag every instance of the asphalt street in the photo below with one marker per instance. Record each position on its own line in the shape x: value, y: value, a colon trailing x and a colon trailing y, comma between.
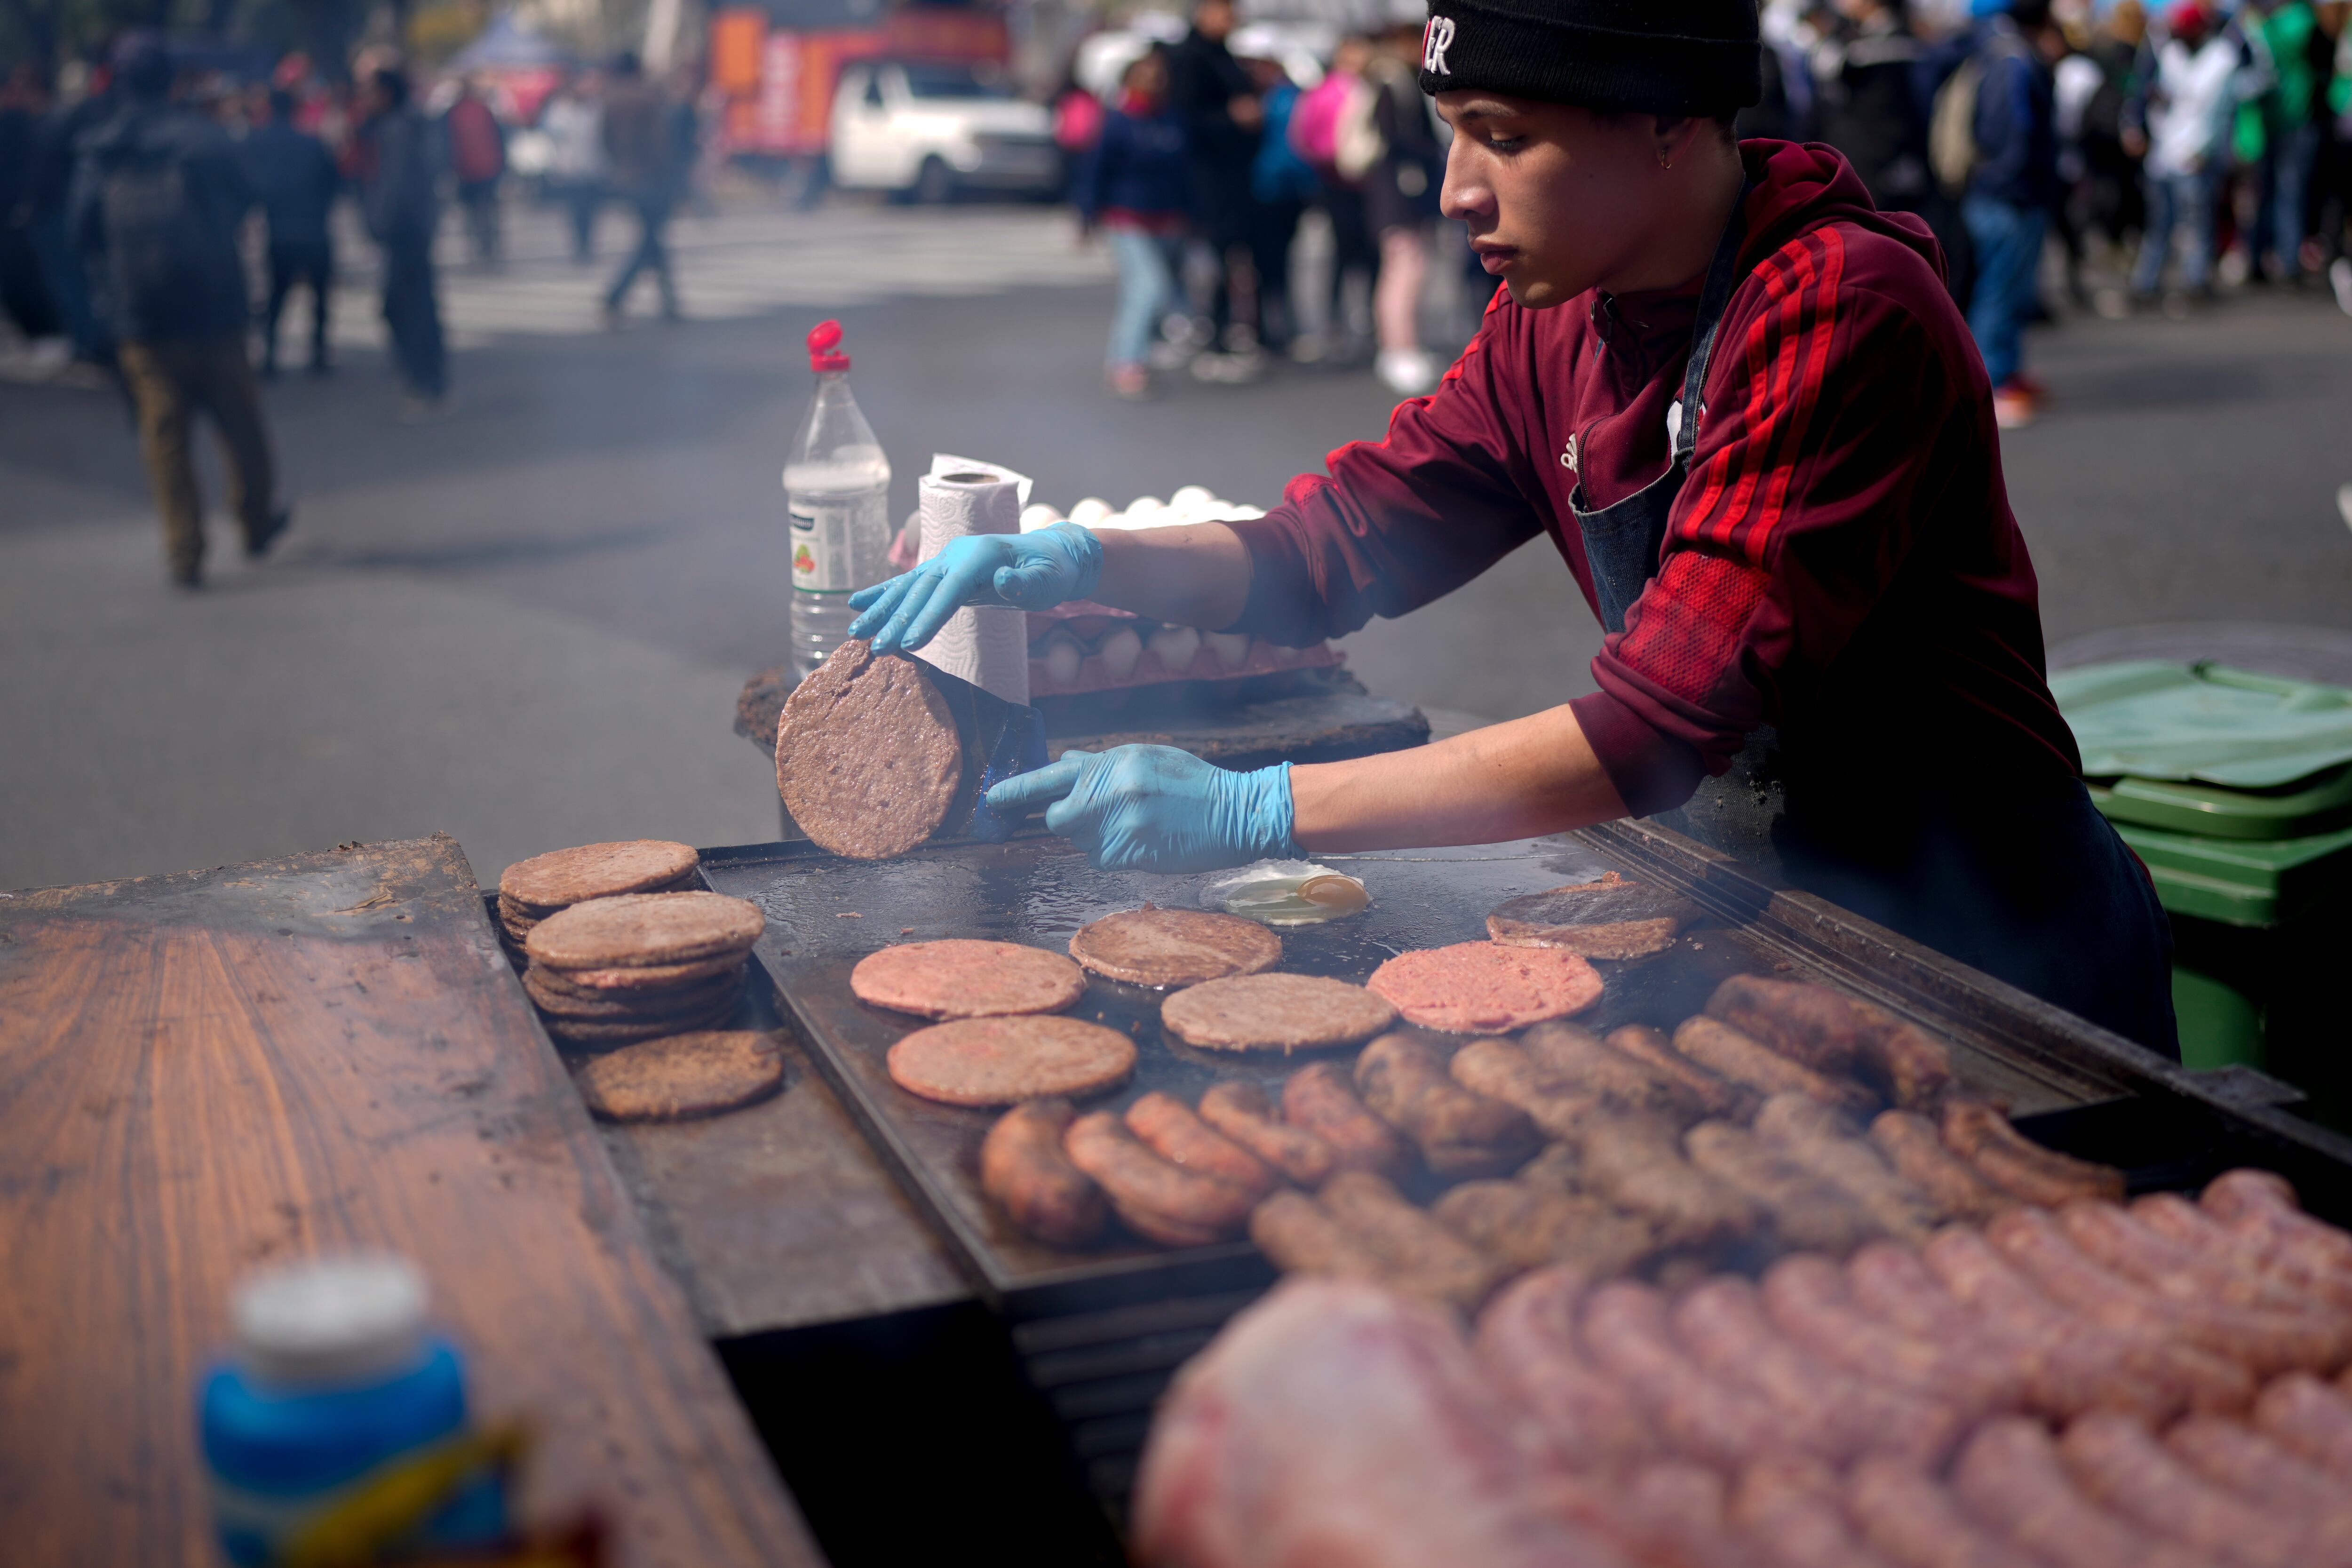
x: 526, y: 625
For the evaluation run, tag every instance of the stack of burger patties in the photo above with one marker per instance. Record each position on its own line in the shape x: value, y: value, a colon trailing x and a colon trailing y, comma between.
x: 614, y: 971
x: 532, y: 889
x: 618, y: 950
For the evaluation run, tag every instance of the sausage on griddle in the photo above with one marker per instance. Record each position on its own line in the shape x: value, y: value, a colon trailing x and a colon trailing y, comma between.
x: 1407, y: 1083
x: 1418, y: 1254
x: 1901, y: 1061
x: 1826, y: 1409
x: 1298, y: 1236
x: 2115, y: 1460
x: 1182, y: 1137
x: 1806, y: 1211
x: 1980, y: 1134
x: 1916, y: 1150
x: 1908, y: 1515
x: 1527, y: 1342
x: 1500, y: 1069
x: 1023, y: 1167
x: 1627, y: 1337
x: 2264, y: 1340
x: 1824, y: 1142
x: 1241, y: 1110
x: 1718, y: 1046
x: 1805, y: 1296
x: 1321, y: 1099
x: 1172, y: 1206
x: 2011, y: 1477
x: 1714, y: 1094
x: 1790, y: 1507
x: 1807, y: 1024
x: 1575, y: 1057
x: 2310, y: 1417
x: 1637, y: 1163
x: 1527, y: 1228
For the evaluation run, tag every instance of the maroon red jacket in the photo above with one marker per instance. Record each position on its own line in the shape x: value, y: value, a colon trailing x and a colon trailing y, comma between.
x: 1842, y: 561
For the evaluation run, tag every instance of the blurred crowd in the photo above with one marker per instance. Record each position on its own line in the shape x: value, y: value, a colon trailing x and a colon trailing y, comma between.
x: 150, y: 213
x: 1198, y: 173
x: 2142, y: 157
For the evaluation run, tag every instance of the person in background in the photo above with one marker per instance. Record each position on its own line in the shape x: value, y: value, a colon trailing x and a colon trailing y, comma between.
x: 1281, y: 185
x: 295, y: 178
x: 1400, y: 207
x: 398, y: 193
x: 2291, y: 134
x: 1222, y: 118
x: 2112, y: 143
x: 1134, y: 189
x: 1339, y: 103
x: 684, y: 129
x: 157, y: 198
x: 1077, y: 126
x: 2335, y: 159
x: 2013, y: 183
x: 56, y: 152
x: 2190, y: 102
x: 1866, y: 69
x: 574, y: 126
x: 478, y: 157
x: 23, y: 293
x: 638, y: 128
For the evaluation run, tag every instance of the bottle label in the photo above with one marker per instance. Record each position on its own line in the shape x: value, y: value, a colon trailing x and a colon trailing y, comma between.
x: 821, y: 553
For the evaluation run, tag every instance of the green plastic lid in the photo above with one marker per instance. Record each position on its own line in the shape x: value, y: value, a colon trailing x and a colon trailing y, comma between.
x: 2297, y: 810
x: 2242, y: 882
x: 2150, y: 718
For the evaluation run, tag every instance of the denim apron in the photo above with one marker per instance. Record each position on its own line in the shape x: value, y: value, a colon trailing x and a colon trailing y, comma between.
x: 1737, y: 812
x: 2039, y: 892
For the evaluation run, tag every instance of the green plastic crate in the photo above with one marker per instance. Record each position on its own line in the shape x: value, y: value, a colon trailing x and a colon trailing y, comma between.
x: 2242, y: 882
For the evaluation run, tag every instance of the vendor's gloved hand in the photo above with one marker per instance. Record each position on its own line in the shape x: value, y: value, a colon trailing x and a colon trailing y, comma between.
x: 1155, y: 808
x: 1024, y: 570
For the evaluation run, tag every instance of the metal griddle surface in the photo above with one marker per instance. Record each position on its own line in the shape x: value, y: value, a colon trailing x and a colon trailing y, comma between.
x: 825, y: 913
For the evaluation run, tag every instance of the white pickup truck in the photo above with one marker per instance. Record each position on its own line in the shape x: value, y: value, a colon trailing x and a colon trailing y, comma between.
x: 925, y: 131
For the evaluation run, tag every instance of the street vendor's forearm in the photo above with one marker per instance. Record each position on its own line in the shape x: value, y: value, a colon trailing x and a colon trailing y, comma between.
x: 1197, y: 574
x: 1517, y: 780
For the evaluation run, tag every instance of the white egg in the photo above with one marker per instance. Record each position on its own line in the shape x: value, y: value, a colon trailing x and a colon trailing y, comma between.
x: 1063, y: 656
x: 1230, y: 647
x: 1090, y: 512
x: 1119, y: 652
x: 1034, y: 518
x: 1241, y: 513
x: 1145, y: 504
x: 1175, y: 646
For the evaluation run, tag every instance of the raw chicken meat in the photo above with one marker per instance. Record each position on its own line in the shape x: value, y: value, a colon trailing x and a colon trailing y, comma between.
x: 1336, y: 1423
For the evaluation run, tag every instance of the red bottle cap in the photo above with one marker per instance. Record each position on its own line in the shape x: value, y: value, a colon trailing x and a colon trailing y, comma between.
x: 823, y: 339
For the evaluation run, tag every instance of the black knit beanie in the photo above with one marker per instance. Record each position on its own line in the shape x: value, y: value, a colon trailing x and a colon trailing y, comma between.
x: 1646, y: 57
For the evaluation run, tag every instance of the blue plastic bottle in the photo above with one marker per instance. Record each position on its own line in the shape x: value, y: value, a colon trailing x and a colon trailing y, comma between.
x: 335, y: 1385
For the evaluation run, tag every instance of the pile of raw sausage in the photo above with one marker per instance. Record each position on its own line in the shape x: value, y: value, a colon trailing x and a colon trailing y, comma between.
x: 2096, y: 1385
x: 1786, y: 1116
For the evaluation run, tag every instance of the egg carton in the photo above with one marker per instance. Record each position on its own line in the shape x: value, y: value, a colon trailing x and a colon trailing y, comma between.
x: 1084, y: 647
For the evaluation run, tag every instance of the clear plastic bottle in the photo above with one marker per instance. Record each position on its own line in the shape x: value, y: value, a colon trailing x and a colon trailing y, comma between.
x: 837, y: 490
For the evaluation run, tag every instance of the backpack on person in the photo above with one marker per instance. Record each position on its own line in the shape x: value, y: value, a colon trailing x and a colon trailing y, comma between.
x: 157, y: 239
x: 1952, y: 126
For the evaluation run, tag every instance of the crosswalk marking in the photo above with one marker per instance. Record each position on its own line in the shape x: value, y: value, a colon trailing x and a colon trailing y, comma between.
x: 734, y: 265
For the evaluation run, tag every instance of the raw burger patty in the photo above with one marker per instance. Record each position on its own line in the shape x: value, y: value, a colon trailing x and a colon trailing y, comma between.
x: 1275, y: 1012
x: 964, y: 979
x: 1612, y: 918
x: 641, y: 930
x: 1474, y: 987
x: 1174, y: 947
x: 566, y: 876
x: 1003, y: 1061
x: 683, y: 1075
x: 866, y: 755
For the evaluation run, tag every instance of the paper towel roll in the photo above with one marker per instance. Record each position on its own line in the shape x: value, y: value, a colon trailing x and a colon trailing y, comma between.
x: 987, y: 645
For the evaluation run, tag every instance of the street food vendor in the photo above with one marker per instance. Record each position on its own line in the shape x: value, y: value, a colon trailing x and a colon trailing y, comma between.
x: 1740, y: 402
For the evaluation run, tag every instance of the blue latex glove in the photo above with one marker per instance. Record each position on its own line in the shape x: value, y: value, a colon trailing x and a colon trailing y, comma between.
x: 1155, y: 808
x: 1026, y: 571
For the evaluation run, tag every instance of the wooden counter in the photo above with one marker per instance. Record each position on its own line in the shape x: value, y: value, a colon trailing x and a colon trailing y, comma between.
x: 204, y: 1072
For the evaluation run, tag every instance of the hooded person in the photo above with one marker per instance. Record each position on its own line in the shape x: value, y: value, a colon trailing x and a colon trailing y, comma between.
x: 1740, y: 403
